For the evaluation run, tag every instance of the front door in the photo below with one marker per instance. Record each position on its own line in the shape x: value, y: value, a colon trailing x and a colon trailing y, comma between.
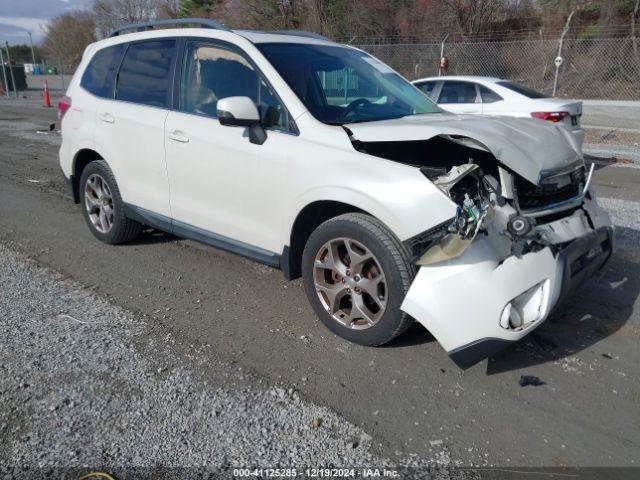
x: 223, y: 187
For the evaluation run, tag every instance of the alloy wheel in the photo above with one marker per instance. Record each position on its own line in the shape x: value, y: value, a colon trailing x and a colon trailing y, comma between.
x: 99, y: 203
x: 350, y: 283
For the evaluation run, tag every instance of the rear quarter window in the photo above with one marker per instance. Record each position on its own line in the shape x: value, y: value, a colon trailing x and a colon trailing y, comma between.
x: 145, y: 74
x: 98, y: 78
x: 488, y: 95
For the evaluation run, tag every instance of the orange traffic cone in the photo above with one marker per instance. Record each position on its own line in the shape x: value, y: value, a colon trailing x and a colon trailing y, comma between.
x: 47, y: 97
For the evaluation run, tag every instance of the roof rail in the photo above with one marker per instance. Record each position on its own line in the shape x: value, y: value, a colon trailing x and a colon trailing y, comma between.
x: 300, y: 33
x: 203, y: 22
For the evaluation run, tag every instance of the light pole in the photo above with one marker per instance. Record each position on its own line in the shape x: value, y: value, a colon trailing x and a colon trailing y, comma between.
x: 33, y: 55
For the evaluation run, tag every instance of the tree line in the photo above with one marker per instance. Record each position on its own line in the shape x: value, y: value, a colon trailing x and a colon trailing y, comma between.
x: 353, y: 20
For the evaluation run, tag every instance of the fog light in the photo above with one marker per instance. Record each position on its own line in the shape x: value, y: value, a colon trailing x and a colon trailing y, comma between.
x: 515, y: 320
x: 504, y: 318
x: 528, y: 307
x: 510, y: 317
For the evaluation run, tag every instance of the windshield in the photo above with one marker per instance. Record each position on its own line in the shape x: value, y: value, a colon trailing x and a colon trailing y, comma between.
x: 341, y: 85
x: 522, y: 90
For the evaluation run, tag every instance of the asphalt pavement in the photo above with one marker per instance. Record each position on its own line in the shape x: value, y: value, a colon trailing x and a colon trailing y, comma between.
x: 408, y: 396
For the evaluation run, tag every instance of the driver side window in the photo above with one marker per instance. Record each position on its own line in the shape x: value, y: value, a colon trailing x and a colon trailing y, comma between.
x: 211, y: 73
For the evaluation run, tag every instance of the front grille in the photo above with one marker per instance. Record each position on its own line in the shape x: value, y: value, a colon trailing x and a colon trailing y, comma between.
x: 552, y: 191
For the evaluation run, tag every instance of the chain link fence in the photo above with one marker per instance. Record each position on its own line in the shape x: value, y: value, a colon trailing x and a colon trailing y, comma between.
x: 592, y: 69
x: 604, y: 68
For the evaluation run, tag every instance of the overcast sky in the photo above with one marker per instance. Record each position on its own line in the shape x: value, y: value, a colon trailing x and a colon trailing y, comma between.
x: 32, y: 15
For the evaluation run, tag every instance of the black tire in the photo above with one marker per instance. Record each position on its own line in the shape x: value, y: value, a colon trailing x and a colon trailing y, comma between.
x: 123, y: 229
x: 392, y: 256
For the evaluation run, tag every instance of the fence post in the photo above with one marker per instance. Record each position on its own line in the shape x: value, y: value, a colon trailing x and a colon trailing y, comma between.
x: 4, y: 74
x: 441, y: 61
x: 559, y: 63
x: 13, y: 78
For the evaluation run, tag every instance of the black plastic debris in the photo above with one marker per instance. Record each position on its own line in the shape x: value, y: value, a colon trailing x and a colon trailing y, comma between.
x: 530, y: 380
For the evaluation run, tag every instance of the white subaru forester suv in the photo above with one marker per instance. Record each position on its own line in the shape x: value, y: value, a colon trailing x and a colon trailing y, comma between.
x: 320, y: 160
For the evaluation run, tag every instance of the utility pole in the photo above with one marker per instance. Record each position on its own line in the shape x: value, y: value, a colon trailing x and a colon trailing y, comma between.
x: 33, y: 55
x: 13, y: 78
x: 4, y: 74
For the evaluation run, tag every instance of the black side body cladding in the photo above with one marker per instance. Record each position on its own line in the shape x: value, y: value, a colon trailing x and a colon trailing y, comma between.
x: 70, y: 182
x: 198, y: 234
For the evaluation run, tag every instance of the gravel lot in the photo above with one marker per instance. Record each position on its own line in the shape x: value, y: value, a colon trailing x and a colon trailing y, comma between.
x: 175, y: 331
x: 84, y: 386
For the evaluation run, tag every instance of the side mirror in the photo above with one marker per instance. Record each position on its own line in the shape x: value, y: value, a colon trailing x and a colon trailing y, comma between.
x: 241, y: 112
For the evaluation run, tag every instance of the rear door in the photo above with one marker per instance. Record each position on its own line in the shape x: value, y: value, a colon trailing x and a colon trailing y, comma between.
x: 130, y: 127
x: 459, y: 97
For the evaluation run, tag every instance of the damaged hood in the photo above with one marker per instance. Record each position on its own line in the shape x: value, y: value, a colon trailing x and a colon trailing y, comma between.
x: 529, y: 147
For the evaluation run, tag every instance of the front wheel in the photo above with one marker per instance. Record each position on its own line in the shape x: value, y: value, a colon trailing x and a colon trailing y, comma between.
x: 356, y: 274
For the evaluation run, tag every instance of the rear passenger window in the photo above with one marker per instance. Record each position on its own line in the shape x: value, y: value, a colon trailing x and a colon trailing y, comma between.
x: 99, y: 75
x: 144, y: 76
x: 458, y: 92
x: 488, y: 95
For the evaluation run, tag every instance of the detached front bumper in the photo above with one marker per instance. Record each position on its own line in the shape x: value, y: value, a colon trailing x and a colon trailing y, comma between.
x: 463, y: 300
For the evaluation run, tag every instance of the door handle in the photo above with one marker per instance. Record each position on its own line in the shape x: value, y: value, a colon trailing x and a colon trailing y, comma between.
x: 106, y: 117
x: 178, y: 137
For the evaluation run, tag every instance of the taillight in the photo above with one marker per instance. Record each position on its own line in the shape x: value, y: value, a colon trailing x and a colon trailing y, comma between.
x: 64, y: 104
x: 550, y: 116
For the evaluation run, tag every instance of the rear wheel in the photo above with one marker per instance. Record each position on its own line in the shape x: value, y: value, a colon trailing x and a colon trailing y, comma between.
x: 103, y: 208
x: 356, y: 274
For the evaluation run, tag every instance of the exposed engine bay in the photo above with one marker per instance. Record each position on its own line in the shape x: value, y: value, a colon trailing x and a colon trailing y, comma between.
x: 490, y: 198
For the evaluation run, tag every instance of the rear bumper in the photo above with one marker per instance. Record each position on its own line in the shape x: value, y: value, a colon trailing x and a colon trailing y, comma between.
x: 461, y: 301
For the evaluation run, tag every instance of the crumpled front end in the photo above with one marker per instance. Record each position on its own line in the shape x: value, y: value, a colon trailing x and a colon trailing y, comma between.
x: 497, y: 270
x: 526, y: 232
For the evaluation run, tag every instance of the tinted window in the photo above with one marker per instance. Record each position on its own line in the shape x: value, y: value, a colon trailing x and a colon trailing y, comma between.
x: 427, y: 88
x: 100, y: 73
x: 342, y: 85
x: 211, y: 73
x: 144, y: 76
x: 488, y: 95
x: 458, y: 92
x: 522, y: 90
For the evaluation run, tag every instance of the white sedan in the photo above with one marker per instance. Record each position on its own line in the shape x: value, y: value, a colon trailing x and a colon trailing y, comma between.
x: 495, y: 96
